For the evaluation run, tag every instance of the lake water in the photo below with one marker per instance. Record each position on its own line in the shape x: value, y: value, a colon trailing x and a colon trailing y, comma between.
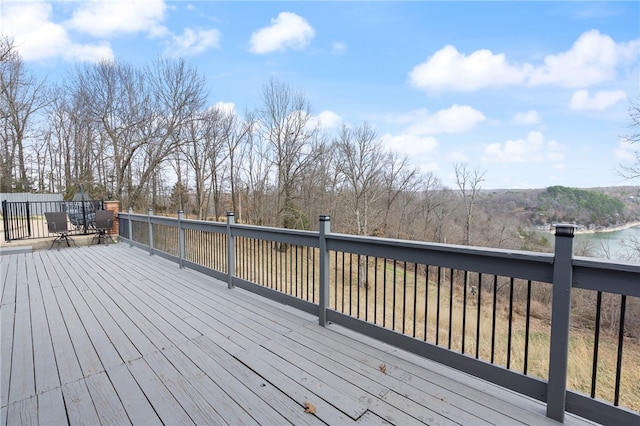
x: 613, y: 245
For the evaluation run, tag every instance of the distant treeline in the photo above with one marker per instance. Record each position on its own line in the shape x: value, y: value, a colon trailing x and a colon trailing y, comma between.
x: 586, y: 207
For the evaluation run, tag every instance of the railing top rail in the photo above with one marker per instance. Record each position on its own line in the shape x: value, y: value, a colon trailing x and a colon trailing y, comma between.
x: 607, y: 276
x: 447, y: 248
x: 509, y: 263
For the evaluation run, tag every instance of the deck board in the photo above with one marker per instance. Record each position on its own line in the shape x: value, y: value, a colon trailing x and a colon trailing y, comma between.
x: 111, y: 335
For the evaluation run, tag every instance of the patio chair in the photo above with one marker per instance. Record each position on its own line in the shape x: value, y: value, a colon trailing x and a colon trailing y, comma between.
x: 57, y: 224
x: 104, y: 223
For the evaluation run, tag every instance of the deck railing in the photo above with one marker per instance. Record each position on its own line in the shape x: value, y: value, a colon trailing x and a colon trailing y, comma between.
x: 514, y: 318
x: 26, y: 219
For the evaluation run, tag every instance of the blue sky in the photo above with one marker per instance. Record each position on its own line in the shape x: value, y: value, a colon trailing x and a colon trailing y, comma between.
x: 535, y: 93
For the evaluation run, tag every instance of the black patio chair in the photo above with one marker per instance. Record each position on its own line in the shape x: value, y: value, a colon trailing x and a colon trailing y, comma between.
x: 104, y: 223
x: 57, y: 224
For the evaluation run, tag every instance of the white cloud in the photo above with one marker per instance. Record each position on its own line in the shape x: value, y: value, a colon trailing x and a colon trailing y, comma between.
x: 226, y: 107
x: 192, y: 42
x: 526, y: 118
x: 581, y: 100
x: 338, y: 47
x: 533, y: 149
x: 288, y: 30
x: 410, y: 145
x: 458, y: 157
x: 592, y: 59
x: 449, y: 69
x: 105, y: 18
x: 37, y: 38
x: 627, y: 152
x: 88, y: 52
x: 326, y: 120
x: 456, y: 119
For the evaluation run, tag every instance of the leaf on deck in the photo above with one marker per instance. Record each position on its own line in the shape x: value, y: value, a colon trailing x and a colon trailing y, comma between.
x: 309, y: 408
x: 383, y: 368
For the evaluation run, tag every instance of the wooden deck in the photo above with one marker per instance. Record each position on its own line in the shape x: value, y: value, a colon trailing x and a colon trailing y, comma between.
x: 111, y: 335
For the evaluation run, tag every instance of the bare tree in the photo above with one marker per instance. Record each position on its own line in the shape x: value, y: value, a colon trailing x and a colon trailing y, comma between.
x: 285, y: 121
x: 360, y: 162
x: 138, y: 114
x: 239, y: 132
x: 468, y: 182
x: 430, y: 198
x: 400, y: 181
x: 256, y: 170
x: 21, y: 97
x: 632, y: 170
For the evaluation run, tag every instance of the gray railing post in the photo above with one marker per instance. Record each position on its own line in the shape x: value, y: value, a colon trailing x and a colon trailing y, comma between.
x: 130, y: 227
x: 231, y: 255
x: 560, y: 322
x: 325, y: 228
x: 149, y: 214
x: 181, y: 247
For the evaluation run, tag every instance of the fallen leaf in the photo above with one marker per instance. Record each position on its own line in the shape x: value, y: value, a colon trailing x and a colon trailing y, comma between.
x: 309, y: 408
x: 383, y: 368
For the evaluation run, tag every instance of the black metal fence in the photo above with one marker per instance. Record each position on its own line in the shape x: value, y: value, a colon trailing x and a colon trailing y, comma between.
x: 523, y: 320
x: 26, y: 219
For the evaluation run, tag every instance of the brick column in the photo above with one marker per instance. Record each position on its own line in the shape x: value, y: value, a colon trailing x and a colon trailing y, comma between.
x: 115, y: 206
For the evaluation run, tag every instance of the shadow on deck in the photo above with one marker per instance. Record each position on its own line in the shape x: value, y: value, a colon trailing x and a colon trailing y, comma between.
x: 112, y: 335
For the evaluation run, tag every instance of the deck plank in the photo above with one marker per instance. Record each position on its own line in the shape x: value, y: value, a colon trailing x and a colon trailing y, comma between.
x: 123, y: 337
x: 79, y: 405
x: 68, y: 366
x: 7, y: 318
x: 43, y: 353
x: 105, y: 399
x: 168, y: 409
x: 271, y: 395
x: 22, y: 378
x: 138, y: 408
x: 228, y: 386
x: 199, y: 409
x: 23, y: 412
x: 373, y: 392
x: 51, y: 410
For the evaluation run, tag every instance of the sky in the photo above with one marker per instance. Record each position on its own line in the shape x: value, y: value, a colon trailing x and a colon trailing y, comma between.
x: 532, y: 93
